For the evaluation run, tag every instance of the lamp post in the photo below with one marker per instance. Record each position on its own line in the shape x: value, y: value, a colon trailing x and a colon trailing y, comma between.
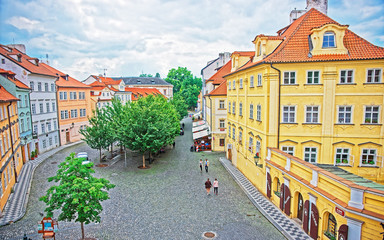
x: 257, y: 158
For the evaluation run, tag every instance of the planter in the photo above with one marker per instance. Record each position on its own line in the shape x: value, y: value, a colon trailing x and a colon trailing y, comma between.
x: 337, y: 160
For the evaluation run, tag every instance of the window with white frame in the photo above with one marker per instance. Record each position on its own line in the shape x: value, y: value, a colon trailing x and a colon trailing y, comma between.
x: 250, y: 144
x: 72, y: 95
x: 44, y: 143
x: 346, y: 76
x: 234, y: 84
x: 64, y: 114
x: 39, y: 86
x: 233, y: 133
x: 33, y: 107
x: 371, y: 114
x: 313, y: 77
x: 259, y: 79
x: 288, y: 149
x: 221, y: 104
x: 54, y: 125
x: 240, y: 137
x: 229, y: 85
x: 241, y: 83
x: 52, y: 87
x: 310, y: 154
x: 50, y: 141
x: 251, y: 111
x: 345, y: 114
x: 35, y: 129
x: 374, y: 75
x: 48, y: 107
x: 258, y: 112
x: 63, y: 95
x: 258, y: 147
x: 233, y: 107
x: 46, y: 87
x: 32, y: 85
x: 229, y: 131
x: 53, y: 107
x: 83, y: 112
x: 289, y: 114
x: 342, y: 155
x: 222, y: 123
x: 312, y: 114
x: 74, y: 113
x: 81, y: 95
x: 329, y: 40
x: 251, y: 81
x: 56, y: 139
x: 49, y: 127
x: 241, y: 109
x: 368, y: 157
x: 41, y: 108
x: 22, y: 126
x: 26, y: 101
x: 289, y: 78
x: 229, y: 107
x: 42, y: 128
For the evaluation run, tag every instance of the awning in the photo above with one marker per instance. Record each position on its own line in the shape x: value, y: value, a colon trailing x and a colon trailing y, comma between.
x: 198, y: 123
x: 200, y: 128
x: 200, y: 134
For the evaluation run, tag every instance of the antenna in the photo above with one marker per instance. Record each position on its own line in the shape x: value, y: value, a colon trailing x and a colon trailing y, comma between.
x: 46, y: 56
x: 105, y: 71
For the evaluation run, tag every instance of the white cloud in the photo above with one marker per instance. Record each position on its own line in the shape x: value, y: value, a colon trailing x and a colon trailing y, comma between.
x: 24, y: 23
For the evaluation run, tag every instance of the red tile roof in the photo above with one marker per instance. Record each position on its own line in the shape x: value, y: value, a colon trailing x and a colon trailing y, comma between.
x: 217, y: 78
x: 142, y: 92
x: 62, y: 82
x: 5, y: 96
x: 107, y: 80
x: 11, y: 77
x: 25, y: 63
x: 221, y: 90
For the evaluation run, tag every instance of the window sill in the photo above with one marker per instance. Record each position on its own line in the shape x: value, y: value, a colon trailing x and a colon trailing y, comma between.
x: 373, y: 83
x: 251, y: 86
x: 346, y: 84
x: 369, y: 165
x: 374, y: 124
x: 313, y: 84
x: 289, y: 123
x: 343, y: 164
x: 311, y: 123
x: 290, y: 84
x: 258, y: 121
x: 221, y: 109
x: 259, y: 86
x: 352, y: 124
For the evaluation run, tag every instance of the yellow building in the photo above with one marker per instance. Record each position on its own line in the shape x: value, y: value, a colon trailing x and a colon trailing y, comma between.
x: 314, y: 91
x: 10, y: 147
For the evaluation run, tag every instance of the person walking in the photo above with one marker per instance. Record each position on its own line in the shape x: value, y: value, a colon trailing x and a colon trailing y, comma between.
x: 201, y: 165
x: 215, y: 186
x: 206, y: 164
x: 208, y: 186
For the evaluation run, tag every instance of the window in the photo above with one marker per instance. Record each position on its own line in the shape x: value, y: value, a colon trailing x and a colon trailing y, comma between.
x: 63, y: 95
x: 374, y: 76
x: 289, y: 114
x: 56, y: 140
x: 221, y: 104
x: 54, y: 125
x: 233, y: 133
x: 52, y: 87
x: 33, y: 106
x: 222, y: 142
x: 39, y: 86
x: 165, y: 91
x: 240, y: 137
x: 72, y: 95
x: 251, y: 111
x: 289, y: 78
x: 345, y: 114
x: 371, y: 114
x: 329, y: 40
x: 342, y: 156
x: 64, y: 114
x: 35, y: 129
x: 229, y: 85
x: 222, y: 123
x: 50, y: 141
x: 1, y: 149
x: 258, y: 113
x: 346, y: 76
x: 48, y: 108
x: 19, y: 103
x: 251, y: 81
x: 332, y: 226
x: 258, y: 147
x: 250, y: 145
x: 81, y: 95
x: 229, y: 131
x: 259, y: 80
x: 277, y: 191
x: 241, y: 109
x: 49, y: 126
x: 25, y: 100
x: 74, y: 113
x: 368, y: 157
x: 310, y: 154
x: 241, y: 83
x: 234, y: 84
x: 22, y: 125
x: 229, y: 107
x: 46, y: 87
x: 312, y: 114
x: 53, y: 107
x: 288, y: 149
x: 32, y: 85
x: 83, y: 112
x: 313, y: 77
x: 41, y: 108
x: 44, y: 143
x: 42, y: 128
x: 28, y: 126
x: 233, y: 108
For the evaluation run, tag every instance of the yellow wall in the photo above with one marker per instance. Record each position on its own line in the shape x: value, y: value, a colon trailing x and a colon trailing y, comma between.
x: 213, y: 116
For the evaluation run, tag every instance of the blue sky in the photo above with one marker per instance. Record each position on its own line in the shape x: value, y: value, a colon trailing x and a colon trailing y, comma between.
x: 128, y: 37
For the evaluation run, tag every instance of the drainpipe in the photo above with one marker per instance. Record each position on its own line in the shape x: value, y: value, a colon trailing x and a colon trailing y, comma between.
x: 210, y: 100
x: 279, y: 108
x: 10, y: 132
x: 57, y: 111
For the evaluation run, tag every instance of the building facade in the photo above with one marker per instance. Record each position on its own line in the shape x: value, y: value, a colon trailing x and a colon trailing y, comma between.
x: 306, y: 120
x: 162, y: 86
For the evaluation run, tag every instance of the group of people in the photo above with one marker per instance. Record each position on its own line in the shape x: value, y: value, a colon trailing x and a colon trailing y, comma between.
x: 208, y: 184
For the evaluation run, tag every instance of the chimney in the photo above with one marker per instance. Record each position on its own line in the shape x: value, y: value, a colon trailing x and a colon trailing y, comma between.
x: 20, y: 47
x: 320, y: 5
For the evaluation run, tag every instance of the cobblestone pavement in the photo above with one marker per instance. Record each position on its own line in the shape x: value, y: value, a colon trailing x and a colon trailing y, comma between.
x: 167, y: 201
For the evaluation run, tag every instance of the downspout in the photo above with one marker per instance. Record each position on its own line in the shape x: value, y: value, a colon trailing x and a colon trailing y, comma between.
x: 279, y: 107
x: 210, y: 100
x: 57, y: 111
x: 10, y: 132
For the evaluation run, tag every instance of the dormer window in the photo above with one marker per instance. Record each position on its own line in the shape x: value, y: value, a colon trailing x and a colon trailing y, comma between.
x: 259, y: 49
x: 329, y: 40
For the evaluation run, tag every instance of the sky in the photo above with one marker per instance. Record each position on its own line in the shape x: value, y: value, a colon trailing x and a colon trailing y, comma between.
x: 130, y: 37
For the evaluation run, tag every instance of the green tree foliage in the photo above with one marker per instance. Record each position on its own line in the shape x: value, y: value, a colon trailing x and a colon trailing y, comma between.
x: 186, y: 84
x: 146, y: 75
x: 148, y: 124
x: 180, y: 105
x: 157, y: 75
x: 78, y: 195
x: 99, y: 134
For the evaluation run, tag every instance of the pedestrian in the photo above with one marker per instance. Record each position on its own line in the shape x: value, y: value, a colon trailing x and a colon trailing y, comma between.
x: 208, y: 186
x: 174, y: 143
x: 206, y: 164
x: 201, y: 165
x: 183, y: 125
x: 215, y: 186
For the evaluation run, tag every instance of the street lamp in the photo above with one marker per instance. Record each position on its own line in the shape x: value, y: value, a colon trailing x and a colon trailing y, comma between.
x: 257, y: 158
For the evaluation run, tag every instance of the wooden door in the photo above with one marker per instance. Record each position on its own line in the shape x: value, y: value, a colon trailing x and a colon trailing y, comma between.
x: 306, y: 216
x: 67, y: 137
x: 343, y: 232
x: 230, y: 154
x: 268, y: 185
x: 287, y: 200
x: 300, y: 207
x: 37, y: 147
x: 314, y: 222
x: 282, y: 197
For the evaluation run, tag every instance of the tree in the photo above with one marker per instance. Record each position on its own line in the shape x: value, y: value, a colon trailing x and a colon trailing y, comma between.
x: 99, y: 134
x: 145, y: 75
x: 180, y: 105
x: 148, y: 124
x: 157, y: 75
x: 78, y: 195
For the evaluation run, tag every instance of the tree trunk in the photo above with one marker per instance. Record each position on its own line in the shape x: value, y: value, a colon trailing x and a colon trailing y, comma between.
x: 112, y: 149
x: 82, y: 230
x: 100, y: 154
x: 143, y: 160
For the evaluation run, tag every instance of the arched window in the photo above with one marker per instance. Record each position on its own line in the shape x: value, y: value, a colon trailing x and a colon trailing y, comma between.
x: 277, y: 189
x: 332, y: 226
x: 329, y: 40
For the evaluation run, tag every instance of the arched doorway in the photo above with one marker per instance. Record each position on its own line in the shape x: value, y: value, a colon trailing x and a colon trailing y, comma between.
x: 285, y: 199
x: 300, y: 207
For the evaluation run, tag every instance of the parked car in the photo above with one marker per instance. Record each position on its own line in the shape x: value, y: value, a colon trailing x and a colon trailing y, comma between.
x: 84, y: 157
x: 181, y: 131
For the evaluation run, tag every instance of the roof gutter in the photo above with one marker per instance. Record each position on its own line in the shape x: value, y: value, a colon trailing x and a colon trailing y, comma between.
x: 279, y: 107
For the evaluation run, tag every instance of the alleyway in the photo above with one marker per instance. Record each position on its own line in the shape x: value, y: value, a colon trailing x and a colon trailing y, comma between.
x: 167, y: 201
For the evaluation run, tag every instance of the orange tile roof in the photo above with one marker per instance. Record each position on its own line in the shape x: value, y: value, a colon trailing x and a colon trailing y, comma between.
x: 295, y: 46
x: 62, y: 82
x: 5, y: 96
x: 11, y: 76
x: 107, y: 80
x: 142, y: 92
x: 9, y: 52
x: 217, y: 78
x: 221, y: 90
x: 244, y: 53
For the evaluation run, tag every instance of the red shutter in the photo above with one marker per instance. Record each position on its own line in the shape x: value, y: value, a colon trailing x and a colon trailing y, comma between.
x: 282, y: 197
x: 314, y: 221
x: 287, y: 200
x: 268, y: 185
x: 306, y: 216
x: 343, y: 232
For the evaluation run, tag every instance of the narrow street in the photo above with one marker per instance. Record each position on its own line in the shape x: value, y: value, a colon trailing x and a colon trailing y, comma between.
x: 166, y: 201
